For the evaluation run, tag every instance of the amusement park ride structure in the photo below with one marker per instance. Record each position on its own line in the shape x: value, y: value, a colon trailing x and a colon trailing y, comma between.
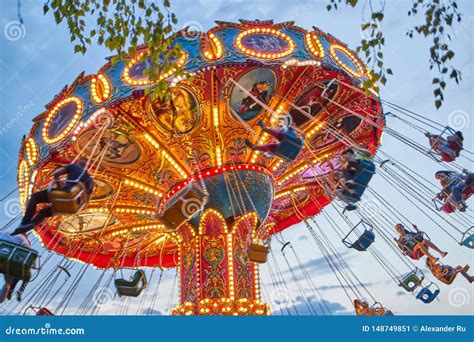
x: 176, y: 186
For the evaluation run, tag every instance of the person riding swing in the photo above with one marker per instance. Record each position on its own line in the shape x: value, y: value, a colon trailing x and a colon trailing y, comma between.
x: 448, y: 148
x: 456, y: 187
x: 76, y: 173
x: 289, y: 143
x: 446, y: 274
x: 362, y: 308
x: 414, y: 244
x: 355, y: 171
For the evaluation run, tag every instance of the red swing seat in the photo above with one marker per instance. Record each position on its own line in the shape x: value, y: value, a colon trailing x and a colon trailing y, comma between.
x: 416, y: 255
x: 448, y: 208
x: 446, y: 158
x: 44, y: 312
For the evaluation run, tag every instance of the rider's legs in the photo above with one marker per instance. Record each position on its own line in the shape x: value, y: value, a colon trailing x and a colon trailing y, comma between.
x: 423, y: 247
x: 436, y: 248
x: 35, y: 199
x: 463, y: 271
x: 277, y: 133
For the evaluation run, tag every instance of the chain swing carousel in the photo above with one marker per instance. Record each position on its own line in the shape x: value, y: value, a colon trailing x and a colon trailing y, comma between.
x: 176, y: 186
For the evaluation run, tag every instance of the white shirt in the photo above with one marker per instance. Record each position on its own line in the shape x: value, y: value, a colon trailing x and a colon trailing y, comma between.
x: 19, y: 239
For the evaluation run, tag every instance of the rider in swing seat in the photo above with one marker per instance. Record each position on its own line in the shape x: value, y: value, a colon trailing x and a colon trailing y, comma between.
x: 454, y: 184
x: 356, y: 170
x: 7, y: 289
x: 448, y: 148
x: 289, y: 144
x: 363, y: 309
x: 75, y: 172
x: 414, y: 244
x: 446, y: 274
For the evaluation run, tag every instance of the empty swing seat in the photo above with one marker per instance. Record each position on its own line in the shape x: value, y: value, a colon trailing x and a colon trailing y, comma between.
x: 411, y: 281
x: 67, y: 202
x: 426, y: 295
x: 17, y: 261
x: 133, y: 287
x: 44, y: 312
x: 364, y: 240
x: 258, y: 253
x: 468, y: 241
x: 289, y: 148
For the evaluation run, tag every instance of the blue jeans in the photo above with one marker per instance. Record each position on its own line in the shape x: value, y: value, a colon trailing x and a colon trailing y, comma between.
x: 456, y: 190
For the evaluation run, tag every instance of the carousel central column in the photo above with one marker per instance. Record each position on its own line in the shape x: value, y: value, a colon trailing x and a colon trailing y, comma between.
x: 216, y: 276
x: 218, y: 212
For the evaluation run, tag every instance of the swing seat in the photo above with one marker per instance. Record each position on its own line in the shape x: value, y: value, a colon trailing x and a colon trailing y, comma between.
x: 448, y: 277
x: 411, y: 281
x: 426, y: 295
x: 416, y: 255
x: 363, y: 241
x: 258, y: 253
x: 409, y: 247
x: 361, y: 180
x: 132, y: 287
x: 467, y: 239
x: 38, y: 311
x: 17, y: 261
x: 68, y: 202
x: 365, y: 174
x: 456, y: 147
x: 448, y: 208
x: 446, y: 158
x: 289, y: 148
x: 44, y: 312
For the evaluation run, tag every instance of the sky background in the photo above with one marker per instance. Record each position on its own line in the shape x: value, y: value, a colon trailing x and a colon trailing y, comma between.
x: 36, y: 66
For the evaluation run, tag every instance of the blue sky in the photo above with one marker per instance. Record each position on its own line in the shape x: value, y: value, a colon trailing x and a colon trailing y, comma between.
x: 34, y: 68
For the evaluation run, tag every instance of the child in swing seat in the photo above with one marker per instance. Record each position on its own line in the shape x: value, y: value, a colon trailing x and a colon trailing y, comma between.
x: 413, y: 242
x: 449, y: 148
x: 76, y: 172
x: 446, y: 274
x: 362, y: 309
